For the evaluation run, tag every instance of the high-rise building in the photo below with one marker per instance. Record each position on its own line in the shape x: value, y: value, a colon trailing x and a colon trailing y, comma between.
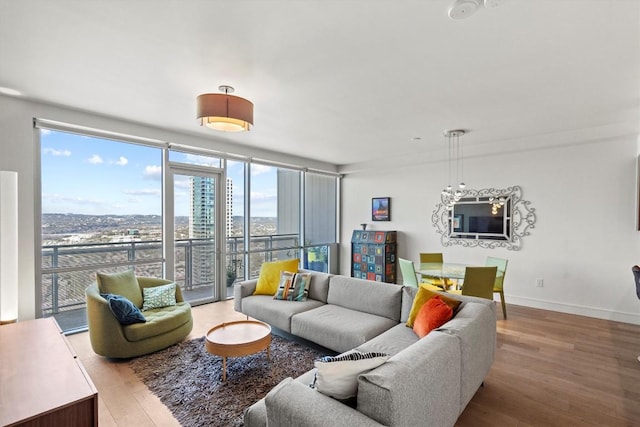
x: 202, y: 217
x: 202, y: 220
x: 229, y: 207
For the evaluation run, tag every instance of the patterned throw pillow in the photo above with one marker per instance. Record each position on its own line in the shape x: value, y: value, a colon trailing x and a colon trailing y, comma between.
x: 337, y: 376
x: 293, y: 286
x: 159, y: 296
x: 124, y: 310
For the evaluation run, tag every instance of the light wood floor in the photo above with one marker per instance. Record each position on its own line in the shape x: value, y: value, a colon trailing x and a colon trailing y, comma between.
x: 551, y: 369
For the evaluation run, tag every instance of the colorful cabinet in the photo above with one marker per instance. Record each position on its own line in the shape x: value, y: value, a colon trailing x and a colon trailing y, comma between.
x: 373, y: 255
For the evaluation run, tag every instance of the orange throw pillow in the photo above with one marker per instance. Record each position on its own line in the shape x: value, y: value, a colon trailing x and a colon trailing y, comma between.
x: 433, y: 314
x: 425, y: 295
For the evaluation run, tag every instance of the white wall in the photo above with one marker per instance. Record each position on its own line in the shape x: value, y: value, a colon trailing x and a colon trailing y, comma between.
x: 584, y: 242
x: 18, y: 153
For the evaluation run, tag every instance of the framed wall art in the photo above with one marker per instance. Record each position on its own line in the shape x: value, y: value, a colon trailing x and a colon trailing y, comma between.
x: 381, y: 209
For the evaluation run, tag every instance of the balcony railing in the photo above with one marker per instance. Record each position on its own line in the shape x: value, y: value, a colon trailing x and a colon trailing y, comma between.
x: 67, y: 270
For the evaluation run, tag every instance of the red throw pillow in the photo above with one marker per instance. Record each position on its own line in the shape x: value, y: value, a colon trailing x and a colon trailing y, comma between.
x: 433, y: 314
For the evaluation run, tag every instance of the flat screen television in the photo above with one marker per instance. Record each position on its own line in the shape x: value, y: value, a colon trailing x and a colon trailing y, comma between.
x: 477, y: 218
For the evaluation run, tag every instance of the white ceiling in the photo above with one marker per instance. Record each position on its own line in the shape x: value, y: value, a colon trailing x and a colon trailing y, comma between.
x: 341, y: 82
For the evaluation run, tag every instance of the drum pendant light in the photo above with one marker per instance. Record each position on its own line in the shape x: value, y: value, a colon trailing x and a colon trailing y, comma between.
x: 224, y: 112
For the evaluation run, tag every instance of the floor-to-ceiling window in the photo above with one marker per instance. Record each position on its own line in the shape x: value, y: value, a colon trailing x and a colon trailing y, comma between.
x: 320, y: 204
x: 235, y: 263
x: 101, y: 211
x: 275, y: 215
x: 205, y: 221
x: 197, y: 206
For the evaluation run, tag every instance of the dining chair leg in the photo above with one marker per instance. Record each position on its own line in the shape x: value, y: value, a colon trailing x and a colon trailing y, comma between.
x: 504, y: 306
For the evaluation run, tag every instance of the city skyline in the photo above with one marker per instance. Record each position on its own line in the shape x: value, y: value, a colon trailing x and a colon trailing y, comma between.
x: 89, y: 175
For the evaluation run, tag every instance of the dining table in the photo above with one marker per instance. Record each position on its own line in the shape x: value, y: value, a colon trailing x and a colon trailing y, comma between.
x: 450, y: 273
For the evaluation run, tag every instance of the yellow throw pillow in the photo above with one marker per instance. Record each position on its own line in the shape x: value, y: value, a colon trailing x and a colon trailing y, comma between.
x: 269, y: 278
x: 422, y: 297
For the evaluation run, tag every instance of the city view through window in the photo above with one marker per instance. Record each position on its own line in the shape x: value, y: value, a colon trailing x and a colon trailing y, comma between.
x: 102, y: 211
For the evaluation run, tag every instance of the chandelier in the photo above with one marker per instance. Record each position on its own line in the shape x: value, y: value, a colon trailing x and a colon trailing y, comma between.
x: 496, y: 204
x: 454, y: 160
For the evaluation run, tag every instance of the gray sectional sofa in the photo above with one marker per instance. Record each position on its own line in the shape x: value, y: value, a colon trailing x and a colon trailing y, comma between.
x: 426, y: 382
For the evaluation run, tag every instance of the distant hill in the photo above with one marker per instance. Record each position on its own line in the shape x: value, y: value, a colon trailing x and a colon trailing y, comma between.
x: 70, y: 223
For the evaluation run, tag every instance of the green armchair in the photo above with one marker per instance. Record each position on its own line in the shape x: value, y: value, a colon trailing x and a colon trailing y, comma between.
x: 164, y: 326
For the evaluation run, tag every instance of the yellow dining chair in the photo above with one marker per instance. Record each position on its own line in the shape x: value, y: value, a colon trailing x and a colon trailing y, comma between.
x: 428, y: 260
x: 498, y: 286
x: 434, y: 258
x: 478, y: 282
x: 409, y: 276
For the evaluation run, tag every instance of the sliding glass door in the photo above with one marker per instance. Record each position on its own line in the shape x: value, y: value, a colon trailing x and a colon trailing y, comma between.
x: 197, y: 232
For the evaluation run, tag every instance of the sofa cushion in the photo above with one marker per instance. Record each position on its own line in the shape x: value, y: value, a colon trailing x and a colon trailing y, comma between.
x: 337, y: 376
x: 275, y: 312
x: 270, y: 275
x: 123, y: 309
x: 123, y: 283
x: 422, y: 297
x: 291, y: 403
x: 159, y: 296
x: 159, y: 321
x: 319, y: 287
x: 392, y: 341
x: 293, y: 286
x: 433, y: 314
x: 381, y: 299
x: 338, y: 328
x: 408, y: 294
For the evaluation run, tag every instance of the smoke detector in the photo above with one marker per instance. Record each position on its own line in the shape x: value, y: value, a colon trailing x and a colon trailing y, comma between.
x: 461, y: 9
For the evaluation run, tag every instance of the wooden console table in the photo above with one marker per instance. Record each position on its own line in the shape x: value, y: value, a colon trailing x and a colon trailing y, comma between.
x: 42, y: 383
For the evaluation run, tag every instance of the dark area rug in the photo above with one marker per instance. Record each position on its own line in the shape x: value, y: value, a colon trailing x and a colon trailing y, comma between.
x: 188, y: 379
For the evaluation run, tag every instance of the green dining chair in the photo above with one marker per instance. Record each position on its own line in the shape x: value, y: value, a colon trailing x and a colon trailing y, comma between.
x: 428, y: 260
x: 409, y: 276
x: 498, y: 286
x: 478, y: 282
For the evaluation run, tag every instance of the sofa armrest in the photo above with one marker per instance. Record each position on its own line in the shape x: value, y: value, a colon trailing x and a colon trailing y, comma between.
x: 292, y: 403
x: 243, y: 290
x: 418, y: 386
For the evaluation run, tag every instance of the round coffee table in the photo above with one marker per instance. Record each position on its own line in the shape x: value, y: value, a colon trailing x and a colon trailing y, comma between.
x: 239, y: 338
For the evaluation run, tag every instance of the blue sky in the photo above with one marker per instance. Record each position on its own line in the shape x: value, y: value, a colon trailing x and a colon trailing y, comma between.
x: 87, y: 175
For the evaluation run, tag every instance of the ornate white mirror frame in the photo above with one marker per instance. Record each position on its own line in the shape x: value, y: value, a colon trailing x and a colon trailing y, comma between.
x: 518, y: 219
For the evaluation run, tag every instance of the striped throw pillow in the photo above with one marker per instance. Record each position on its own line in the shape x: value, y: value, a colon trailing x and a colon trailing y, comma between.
x: 293, y: 286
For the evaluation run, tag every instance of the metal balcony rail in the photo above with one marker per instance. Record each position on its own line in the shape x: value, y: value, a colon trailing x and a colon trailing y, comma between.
x: 68, y: 269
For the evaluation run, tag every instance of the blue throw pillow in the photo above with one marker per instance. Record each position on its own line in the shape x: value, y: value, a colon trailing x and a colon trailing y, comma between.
x: 125, y: 311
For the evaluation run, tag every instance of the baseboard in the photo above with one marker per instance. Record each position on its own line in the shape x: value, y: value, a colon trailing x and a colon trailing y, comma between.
x: 599, y: 313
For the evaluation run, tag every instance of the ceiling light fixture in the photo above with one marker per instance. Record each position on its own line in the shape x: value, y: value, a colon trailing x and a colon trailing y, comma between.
x: 224, y: 112
x: 454, y: 159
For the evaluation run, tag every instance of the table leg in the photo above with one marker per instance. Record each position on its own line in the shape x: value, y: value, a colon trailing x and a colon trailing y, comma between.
x: 224, y: 369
